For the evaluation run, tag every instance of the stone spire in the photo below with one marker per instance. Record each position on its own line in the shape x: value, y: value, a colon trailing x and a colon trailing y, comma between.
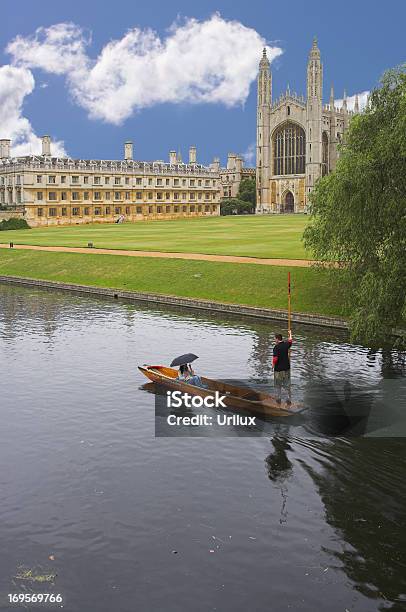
x: 356, y: 105
x: 332, y: 103
x: 264, y: 58
x: 264, y: 80
x: 264, y: 102
x: 314, y: 73
x: 368, y: 100
x: 345, y: 100
x: 314, y: 123
x: 315, y: 51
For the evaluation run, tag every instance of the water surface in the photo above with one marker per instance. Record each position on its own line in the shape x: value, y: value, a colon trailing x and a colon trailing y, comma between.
x: 279, y: 522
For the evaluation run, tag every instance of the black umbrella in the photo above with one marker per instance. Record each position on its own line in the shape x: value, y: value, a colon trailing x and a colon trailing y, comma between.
x: 184, y: 359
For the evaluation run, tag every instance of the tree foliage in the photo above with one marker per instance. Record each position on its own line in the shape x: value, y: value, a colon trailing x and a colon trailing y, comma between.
x: 244, y: 203
x: 234, y: 206
x: 247, y: 191
x: 358, y: 214
x: 13, y: 224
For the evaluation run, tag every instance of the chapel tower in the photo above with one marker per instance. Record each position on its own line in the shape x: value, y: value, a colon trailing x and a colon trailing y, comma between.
x: 263, y: 128
x: 314, y: 103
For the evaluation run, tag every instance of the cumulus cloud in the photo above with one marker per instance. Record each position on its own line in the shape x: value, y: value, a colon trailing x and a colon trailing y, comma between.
x: 212, y: 61
x: 362, y: 99
x: 15, y: 84
x: 250, y: 155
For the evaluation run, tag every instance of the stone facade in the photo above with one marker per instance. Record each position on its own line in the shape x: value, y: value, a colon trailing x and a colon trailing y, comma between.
x: 232, y: 175
x: 297, y: 138
x: 15, y: 213
x: 60, y: 191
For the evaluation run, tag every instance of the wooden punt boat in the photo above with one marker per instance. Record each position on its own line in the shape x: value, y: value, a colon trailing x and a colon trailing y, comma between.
x: 238, y: 398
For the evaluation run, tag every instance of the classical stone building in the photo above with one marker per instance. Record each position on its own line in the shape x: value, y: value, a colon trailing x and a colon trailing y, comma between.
x: 61, y: 190
x: 232, y: 175
x: 297, y: 138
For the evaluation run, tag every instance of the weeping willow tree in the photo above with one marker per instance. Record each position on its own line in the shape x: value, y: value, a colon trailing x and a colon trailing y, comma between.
x: 358, y: 215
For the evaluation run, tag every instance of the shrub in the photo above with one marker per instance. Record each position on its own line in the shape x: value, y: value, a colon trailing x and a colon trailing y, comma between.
x: 13, y: 224
x: 234, y: 206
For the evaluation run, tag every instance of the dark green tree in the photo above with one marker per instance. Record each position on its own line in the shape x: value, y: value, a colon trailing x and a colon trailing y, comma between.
x: 244, y: 203
x: 247, y: 191
x: 234, y: 206
x: 358, y: 215
x: 13, y: 224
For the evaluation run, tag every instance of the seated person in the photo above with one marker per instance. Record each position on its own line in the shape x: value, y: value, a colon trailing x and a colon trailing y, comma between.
x: 186, y: 374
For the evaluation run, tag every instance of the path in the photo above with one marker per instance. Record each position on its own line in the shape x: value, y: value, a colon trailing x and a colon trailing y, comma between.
x: 301, y: 263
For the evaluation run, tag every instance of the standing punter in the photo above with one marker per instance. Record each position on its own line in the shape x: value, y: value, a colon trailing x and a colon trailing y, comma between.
x: 281, y: 366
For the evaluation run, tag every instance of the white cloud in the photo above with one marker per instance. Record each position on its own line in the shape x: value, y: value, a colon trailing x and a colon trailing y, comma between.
x: 250, y: 155
x: 212, y: 61
x: 362, y: 100
x: 59, y: 49
x: 15, y: 84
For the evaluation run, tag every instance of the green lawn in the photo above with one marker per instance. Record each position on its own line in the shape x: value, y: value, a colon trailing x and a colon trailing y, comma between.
x: 254, y: 285
x: 277, y: 236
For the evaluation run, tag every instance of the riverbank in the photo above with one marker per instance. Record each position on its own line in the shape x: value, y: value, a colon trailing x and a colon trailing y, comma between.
x: 252, y: 285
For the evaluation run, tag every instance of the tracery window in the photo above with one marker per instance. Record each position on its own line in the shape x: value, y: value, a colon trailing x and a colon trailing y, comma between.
x: 289, y: 149
x: 325, y: 157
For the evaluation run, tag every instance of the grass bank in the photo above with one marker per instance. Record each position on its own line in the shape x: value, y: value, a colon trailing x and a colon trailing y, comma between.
x: 275, y: 236
x: 251, y: 285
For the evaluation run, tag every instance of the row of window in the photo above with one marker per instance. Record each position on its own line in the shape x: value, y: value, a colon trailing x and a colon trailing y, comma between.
x: 117, y: 195
x: 118, y: 180
x: 98, y: 210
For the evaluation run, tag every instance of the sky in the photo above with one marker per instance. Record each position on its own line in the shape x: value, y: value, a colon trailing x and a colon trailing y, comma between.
x: 168, y: 75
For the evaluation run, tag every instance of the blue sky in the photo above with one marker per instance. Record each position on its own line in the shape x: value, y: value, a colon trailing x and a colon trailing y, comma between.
x: 358, y: 41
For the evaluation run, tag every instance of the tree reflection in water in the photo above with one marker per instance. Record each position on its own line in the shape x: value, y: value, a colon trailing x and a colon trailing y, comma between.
x: 361, y: 483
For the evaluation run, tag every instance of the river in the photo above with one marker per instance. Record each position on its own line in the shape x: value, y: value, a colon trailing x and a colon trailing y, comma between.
x: 280, y: 520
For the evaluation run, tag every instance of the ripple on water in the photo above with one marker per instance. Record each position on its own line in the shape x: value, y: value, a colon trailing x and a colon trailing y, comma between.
x: 141, y: 522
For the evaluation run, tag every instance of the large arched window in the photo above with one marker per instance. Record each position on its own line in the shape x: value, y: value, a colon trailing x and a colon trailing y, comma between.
x: 289, y: 149
x: 325, y: 157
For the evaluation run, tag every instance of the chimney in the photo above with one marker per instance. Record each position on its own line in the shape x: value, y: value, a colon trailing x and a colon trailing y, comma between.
x: 215, y: 165
x: 172, y: 157
x: 4, y: 148
x: 231, y: 161
x: 192, y: 155
x: 239, y: 162
x: 128, y: 150
x: 46, y: 145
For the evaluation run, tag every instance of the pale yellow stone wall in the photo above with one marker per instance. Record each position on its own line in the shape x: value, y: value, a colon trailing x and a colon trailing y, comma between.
x: 60, y: 195
x: 231, y: 178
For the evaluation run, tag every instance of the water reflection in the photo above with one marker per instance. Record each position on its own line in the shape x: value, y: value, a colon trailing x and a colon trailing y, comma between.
x: 84, y: 479
x: 280, y: 469
x: 362, y: 488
